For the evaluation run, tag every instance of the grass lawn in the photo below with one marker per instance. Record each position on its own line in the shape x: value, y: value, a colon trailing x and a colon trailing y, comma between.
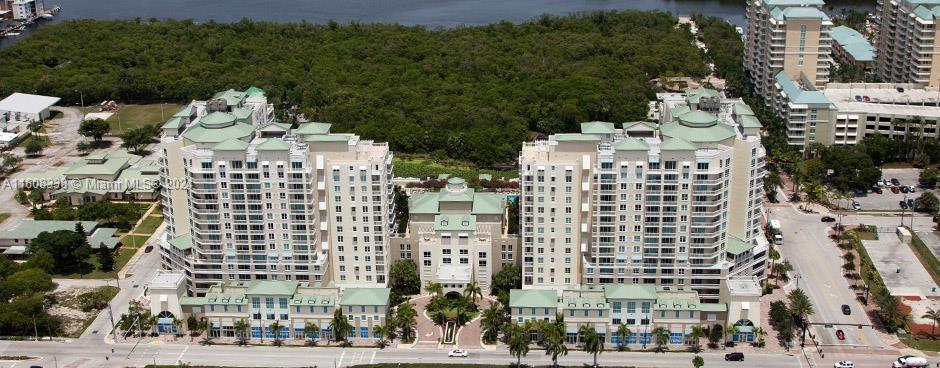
x: 135, y: 241
x: 922, y: 344
x: 149, y: 225
x: 132, y: 116
x: 4, y: 216
x: 422, y: 168
x: 865, y: 235
x: 124, y: 254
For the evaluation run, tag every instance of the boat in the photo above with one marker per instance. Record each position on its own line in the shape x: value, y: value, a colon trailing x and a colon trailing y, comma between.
x: 12, y: 34
x: 48, y: 16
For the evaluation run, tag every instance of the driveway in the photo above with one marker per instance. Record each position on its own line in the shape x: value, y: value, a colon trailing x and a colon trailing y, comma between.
x: 817, y: 264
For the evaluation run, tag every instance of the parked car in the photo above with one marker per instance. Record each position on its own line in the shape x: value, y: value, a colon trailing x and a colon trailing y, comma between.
x: 828, y: 219
x: 877, y: 190
x: 895, y: 181
x: 858, y: 98
x: 844, y: 364
x: 148, y: 249
x: 735, y: 357
x: 458, y: 353
x: 895, y: 190
x: 866, y: 98
x: 910, y: 203
x: 911, y: 189
x: 840, y: 335
x: 846, y: 310
x: 857, y: 206
x: 903, y: 205
x: 905, y: 189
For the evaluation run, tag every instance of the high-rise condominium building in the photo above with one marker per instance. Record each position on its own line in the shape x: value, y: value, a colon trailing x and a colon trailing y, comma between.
x: 906, y: 41
x: 790, y: 36
x: 248, y: 198
x: 674, y: 204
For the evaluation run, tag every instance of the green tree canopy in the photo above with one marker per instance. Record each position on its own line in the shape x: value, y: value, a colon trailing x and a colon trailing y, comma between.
x: 94, y: 128
x: 403, y: 277
x: 69, y: 249
x: 509, y: 277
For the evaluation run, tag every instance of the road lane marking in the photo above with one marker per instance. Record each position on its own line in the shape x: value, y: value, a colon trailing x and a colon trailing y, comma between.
x: 372, y: 361
x: 180, y: 357
x: 340, y: 363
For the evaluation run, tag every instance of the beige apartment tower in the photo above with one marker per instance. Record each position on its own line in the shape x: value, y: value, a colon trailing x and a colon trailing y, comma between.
x: 790, y: 36
x: 674, y: 204
x: 907, y: 41
x: 248, y: 198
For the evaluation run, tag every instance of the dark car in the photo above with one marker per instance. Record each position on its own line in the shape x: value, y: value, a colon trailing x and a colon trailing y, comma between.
x: 148, y: 249
x: 858, y: 98
x: 895, y: 181
x: 903, y: 205
x: 910, y: 203
x: 895, y: 190
x: 905, y: 190
x: 735, y: 357
x: 846, y: 310
x: 840, y: 335
x: 828, y: 219
x: 877, y: 190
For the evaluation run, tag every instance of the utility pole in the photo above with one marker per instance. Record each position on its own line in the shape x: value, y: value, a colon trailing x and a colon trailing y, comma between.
x: 111, y: 313
x: 35, y: 330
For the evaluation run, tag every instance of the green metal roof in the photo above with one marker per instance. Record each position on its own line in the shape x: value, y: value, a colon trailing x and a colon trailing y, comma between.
x: 646, y: 124
x: 253, y: 91
x: 271, y: 287
x: 694, y: 96
x: 488, y: 203
x: 631, y: 144
x: 423, y: 203
x: 741, y: 108
x: 186, y: 111
x: 182, y: 242
x: 93, y: 186
x: 532, y: 298
x: 273, y: 144
x: 697, y: 118
x: 629, y: 291
x: 200, y: 134
x: 803, y: 13
x: 45, y: 178
x: 677, y: 144
x: 737, y: 246
x: 328, y: 138
x: 854, y: 43
x: 597, y: 127
x: 713, y: 307
x: 584, y: 303
x: 29, y: 229
x: 223, y: 298
x: 798, y: 95
x: 713, y: 133
x: 241, y: 113
x: 217, y: 119
x: 173, y: 123
x: 455, y: 222
x: 231, y: 97
x: 231, y: 144
x: 113, y: 163
x: 365, y: 296
x: 313, y: 128
x: 677, y: 300
x: 679, y: 110
x: 103, y: 235
x: 193, y: 301
x: 749, y: 121
x: 314, y: 299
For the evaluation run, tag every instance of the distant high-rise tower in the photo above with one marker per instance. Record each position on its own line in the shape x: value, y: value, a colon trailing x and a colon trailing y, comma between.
x: 790, y: 36
x: 906, y: 41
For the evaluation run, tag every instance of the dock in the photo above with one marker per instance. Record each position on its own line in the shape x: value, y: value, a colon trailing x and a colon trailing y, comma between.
x: 20, y: 25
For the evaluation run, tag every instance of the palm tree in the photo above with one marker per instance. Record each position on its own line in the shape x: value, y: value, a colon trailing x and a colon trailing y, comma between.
x: 623, y: 333
x: 405, y: 319
x: 730, y: 332
x: 434, y: 288
x: 152, y: 323
x: 340, y: 326
x: 801, y: 307
x: 380, y: 331
x: 178, y: 324
x: 492, y: 321
x: 695, y: 335
x: 204, y: 326
x: 275, y: 328
x: 773, y: 255
x: 933, y: 315
x: 518, y: 343
x: 553, y: 337
x: 661, y: 336
x: 311, y: 330
x: 472, y: 290
x: 592, y: 341
x: 241, y: 329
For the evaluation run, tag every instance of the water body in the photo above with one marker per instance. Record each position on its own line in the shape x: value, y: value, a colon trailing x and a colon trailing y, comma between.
x: 432, y: 13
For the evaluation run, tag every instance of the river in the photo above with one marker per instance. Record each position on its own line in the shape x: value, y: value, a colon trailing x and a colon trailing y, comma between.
x: 432, y: 13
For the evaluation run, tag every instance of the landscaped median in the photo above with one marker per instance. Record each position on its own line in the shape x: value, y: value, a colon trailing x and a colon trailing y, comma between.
x: 926, y: 257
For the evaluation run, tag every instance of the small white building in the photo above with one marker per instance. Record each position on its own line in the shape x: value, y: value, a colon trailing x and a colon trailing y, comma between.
x: 28, y: 108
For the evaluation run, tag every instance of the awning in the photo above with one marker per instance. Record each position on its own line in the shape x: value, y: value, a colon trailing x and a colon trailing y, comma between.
x: 298, y: 325
x: 600, y: 329
x: 164, y: 321
x: 570, y: 329
x: 745, y: 329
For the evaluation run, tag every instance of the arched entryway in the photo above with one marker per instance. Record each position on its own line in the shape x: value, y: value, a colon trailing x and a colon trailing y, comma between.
x: 165, y: 323
x: 745, y: 331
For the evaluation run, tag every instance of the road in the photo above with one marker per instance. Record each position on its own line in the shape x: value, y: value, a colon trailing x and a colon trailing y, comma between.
x: 85, y: 354
x: 817, y: 264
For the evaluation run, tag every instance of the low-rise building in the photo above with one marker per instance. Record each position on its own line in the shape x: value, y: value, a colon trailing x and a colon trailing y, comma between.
x: 13, y: 242
x: 851, y: 47
x: 114, y: 175
x: 641, y: 309
x: 261, y: 303
x: 457, y: 236
x: 27, y: 108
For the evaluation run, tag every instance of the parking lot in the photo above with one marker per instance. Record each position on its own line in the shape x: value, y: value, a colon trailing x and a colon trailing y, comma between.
x: 902, y: 272
x: 888, y: 201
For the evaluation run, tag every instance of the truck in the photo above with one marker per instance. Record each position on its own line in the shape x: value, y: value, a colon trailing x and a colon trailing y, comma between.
x: 777, y: 230
x: 908, y: 361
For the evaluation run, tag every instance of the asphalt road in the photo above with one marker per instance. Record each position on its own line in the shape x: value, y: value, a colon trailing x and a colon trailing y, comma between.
x: 76, y: 354
x: 817, y: 264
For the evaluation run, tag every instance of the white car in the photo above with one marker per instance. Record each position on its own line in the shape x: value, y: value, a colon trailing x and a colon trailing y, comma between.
x: 844, y: 364
x: 458, y: 353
